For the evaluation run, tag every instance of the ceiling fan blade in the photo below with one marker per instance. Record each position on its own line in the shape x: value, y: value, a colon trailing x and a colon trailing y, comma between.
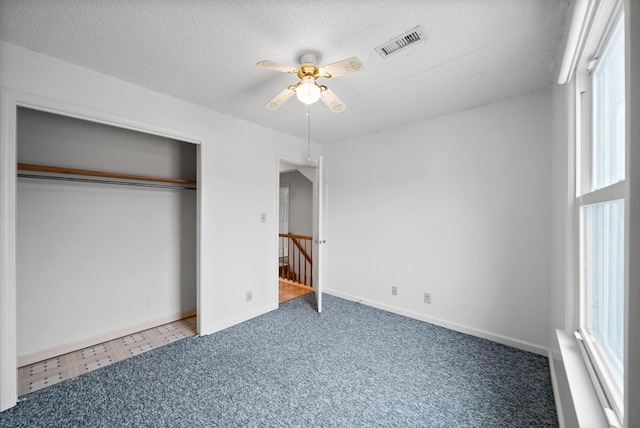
x: 349, y: 65
x: 280, y: 99
x: 333, y: 102
x: 277, y: 66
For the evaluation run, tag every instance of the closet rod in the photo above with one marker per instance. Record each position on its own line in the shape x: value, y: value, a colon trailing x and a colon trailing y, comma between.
x: 92, y: 180
x: 92, y: 173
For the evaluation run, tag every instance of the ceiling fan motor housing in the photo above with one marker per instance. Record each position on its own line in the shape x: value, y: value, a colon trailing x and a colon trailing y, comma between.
x: 308, y: 70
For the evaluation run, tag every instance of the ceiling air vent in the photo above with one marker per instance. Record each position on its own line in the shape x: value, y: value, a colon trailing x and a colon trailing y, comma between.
x: 402, y: 42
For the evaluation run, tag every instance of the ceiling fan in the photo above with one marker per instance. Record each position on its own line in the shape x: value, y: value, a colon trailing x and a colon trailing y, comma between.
x: 307, y: 89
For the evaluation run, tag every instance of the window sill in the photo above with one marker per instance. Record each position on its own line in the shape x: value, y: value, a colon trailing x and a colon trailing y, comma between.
x: 587, y: 407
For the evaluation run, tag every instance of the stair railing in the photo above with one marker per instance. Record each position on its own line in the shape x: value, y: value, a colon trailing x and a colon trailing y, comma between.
x: 296, y: 258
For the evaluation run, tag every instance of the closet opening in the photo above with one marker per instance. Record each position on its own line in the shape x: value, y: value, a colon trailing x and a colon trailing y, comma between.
x: 106, y: 243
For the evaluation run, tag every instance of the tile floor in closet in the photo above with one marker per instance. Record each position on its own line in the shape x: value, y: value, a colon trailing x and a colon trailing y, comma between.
x: 49, y: 372
x: 44, y: 373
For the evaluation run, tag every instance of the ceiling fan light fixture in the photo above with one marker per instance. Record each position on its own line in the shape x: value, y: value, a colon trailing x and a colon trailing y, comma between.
x: 308, y: 91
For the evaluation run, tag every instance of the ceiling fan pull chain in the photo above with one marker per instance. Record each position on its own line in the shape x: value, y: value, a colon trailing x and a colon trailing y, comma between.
x: 308, y: 132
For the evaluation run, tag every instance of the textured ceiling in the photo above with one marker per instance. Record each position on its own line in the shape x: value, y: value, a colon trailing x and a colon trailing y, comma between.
x: 476, y: 52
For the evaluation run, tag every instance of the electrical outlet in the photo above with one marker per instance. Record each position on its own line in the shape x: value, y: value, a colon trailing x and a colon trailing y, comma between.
x: 394, y: 290
x: 427, y: 298
x: 249, y: 296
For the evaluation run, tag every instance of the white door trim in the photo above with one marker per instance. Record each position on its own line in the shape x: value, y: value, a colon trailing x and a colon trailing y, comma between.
x: 9, y: 102
x: 8, y: 343
x: 318, y: 231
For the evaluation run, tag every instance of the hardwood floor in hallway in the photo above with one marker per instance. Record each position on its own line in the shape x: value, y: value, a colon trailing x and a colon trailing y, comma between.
x: 290, y: 290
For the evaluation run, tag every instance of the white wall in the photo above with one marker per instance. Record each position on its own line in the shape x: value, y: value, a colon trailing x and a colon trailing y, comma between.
x: 457, y: 206
x: 559, y: 211
x: 300, y: 203
x: 114, y: 257
x: 238, y: 180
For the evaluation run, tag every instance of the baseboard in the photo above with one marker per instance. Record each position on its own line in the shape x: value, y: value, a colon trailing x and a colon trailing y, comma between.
x: 505, y: 340
x: 245, y: 317
x: 55, y: 351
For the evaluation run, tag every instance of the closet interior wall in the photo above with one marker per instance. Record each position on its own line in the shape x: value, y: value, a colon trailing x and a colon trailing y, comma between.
x: 95, y: 259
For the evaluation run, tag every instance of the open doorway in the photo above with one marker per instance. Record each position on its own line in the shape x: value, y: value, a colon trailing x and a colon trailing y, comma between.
x: 295, y: 230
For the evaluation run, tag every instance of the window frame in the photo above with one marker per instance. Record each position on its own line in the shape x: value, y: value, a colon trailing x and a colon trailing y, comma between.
x: 606, y: 19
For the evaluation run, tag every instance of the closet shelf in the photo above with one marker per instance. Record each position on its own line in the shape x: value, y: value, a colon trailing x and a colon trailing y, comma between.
x: 102, y: 174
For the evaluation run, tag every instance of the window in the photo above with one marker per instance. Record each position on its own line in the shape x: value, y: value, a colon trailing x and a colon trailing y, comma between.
x: 601, y: 190
x: 603, y: 264
x: 608, y: 113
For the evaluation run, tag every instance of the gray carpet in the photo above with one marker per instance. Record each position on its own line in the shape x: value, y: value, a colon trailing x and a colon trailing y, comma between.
x: 351, y: 366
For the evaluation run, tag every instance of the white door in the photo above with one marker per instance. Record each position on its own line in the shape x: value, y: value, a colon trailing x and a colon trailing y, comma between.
x: 283, y: 219
x: 318, y: 237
